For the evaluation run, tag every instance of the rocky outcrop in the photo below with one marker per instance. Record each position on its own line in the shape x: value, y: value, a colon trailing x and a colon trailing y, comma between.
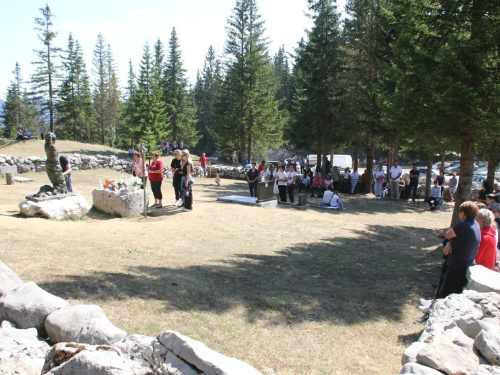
x: 462, y: 334
x: 28, y: 305
x: 40, y: 313
x: 85, y: 324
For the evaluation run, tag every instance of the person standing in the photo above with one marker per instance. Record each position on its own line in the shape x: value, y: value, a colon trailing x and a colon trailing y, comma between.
x: 379, y: 178
x: 66, y: 169
x: 414, y: 177
x: 203, y: 163
x: 282, y: 178
x: 354, y: 179
x: 176, y: 168
x: 395, y: 175
x: 42, y: 132
x: 155, y: 172
x: 138, y: 168
x: 181, y: 145
x: 292, y: 177
x: 245, y: 159
x: 253, y: 180
x: 187, y: 182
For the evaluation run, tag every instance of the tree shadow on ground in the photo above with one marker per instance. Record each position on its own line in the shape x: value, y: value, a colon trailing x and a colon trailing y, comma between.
x: 364, y: 276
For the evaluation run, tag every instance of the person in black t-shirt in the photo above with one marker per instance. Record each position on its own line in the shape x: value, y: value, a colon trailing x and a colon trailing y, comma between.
x: 414, y: 176
x: 440, y: 180
x: 253, y: 180
x: 66, y: 169
x: 175, y: 167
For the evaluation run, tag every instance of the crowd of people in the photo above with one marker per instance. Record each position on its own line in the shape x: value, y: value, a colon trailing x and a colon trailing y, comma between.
x: 182, y: 168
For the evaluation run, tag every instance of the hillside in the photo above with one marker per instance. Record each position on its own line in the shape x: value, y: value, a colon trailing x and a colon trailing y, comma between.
x: 35, y: 148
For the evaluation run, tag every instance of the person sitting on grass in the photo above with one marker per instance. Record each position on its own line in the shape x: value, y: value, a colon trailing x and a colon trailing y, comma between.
x: 327, y: 197
x: 487, y: 253
x: 433, y: 200
x: 317, y: 185
x: 331, y: 199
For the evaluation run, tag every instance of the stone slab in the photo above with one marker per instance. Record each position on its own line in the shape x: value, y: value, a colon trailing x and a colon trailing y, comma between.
x: 483, y: 279
x: 121, y: 205
x: 249, y: 201
x: 68, y: 207
x: 23, y: 179
x: 49, y: 198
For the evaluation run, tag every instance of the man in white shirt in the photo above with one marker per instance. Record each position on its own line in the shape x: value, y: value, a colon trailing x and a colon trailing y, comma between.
x: 433, y: 200
x: 292, y: 176
x: 394, y: 176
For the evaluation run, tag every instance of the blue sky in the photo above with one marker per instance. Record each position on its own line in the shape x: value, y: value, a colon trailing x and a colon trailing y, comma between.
x: 127, y: 24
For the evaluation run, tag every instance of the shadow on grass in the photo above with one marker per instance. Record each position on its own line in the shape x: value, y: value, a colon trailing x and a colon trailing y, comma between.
x: 365, y: 276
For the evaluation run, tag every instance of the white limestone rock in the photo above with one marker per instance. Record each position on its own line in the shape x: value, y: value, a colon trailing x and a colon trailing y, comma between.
x: 133, y: 347
x: 8, y: 279
x: 416, y: 368
x: 71, y: 206
x: 451, y: 308
x: 488, y: 370
x: 85, y: 324
x: 28, y: 305
x: 411, y: 352
x: 488, y: 343
x: 450, y: 352
x: 81, y: 359
x: 482, y: 279
x: 206, y: 360
x: 20, y: 351
x: 122, y: 205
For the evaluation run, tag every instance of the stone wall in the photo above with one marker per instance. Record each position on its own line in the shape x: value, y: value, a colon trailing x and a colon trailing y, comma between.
x: 462, y: 334
x: 86, y: 342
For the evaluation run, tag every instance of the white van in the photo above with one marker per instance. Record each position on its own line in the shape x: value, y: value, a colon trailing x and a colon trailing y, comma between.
x: 341, y: 161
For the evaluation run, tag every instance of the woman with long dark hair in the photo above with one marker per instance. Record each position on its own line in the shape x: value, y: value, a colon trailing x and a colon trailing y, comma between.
x: 176, y: 168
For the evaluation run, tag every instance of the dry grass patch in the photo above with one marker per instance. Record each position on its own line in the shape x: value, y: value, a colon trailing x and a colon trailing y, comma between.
x: 289, y: 291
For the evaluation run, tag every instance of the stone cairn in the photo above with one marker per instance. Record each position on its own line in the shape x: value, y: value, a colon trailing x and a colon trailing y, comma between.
x: 84, y: 341
x: 462, y: 334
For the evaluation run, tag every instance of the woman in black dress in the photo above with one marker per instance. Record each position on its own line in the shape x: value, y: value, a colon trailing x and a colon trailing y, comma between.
x: 176, y: 168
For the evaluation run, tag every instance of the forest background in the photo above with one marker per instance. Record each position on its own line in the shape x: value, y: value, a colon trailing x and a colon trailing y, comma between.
x: 419, y: 77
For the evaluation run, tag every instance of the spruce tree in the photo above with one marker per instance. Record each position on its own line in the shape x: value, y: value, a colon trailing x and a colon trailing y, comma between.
x: 113, y: 103
x: 146, y: 110
x: 101, y: 85
x: 44, y: 79
x: 75, y: 102
x: 12, y: 108
x: 206, y: 89
x: 179, y: 103
x: 318, y: 86
x: 247, y: 117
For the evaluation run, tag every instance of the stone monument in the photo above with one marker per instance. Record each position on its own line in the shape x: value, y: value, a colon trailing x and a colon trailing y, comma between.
x: 54, y: 202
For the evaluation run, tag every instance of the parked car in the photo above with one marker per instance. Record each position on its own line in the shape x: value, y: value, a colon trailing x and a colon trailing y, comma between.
x: 456, y: 169
x: 483, y: 172
x: 438, y: 165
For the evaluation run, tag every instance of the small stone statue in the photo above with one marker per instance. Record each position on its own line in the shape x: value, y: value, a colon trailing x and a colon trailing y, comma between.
x: 53, y: 168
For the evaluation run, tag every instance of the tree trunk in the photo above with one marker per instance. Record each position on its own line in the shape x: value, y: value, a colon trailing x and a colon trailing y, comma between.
x: 389, y: 157
x: 370, y: 151
x: 395, y: 149
x: 492, y: 166
x: 465, y: 181
x: 428, y: 177
x: 356, y: 154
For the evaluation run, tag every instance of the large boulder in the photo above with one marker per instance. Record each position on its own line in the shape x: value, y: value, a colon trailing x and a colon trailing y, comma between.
x: 81, y: 359
x: 8, y: 279
x: 121, y: 205
x: 28, y: 305
x: 195, y: 353
x: 85, y: 324
x: 63, y: 207
x: 20, y: 351
x: 450, y: 352
x: 482, y: 279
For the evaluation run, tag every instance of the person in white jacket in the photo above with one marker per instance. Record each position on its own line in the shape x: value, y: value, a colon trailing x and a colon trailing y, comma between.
x: 433, y: 200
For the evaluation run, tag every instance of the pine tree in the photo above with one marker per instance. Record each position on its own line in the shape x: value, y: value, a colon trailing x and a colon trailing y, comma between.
x: 12, y: 108
x: 206, y: 89
x: 101, y: 85
x: 148, y: 122
x: 159, y: 64
x: 126, y: 134
x: 247, y: 117
x: 318, y: 85
x: 179, y: 104
x: 113, y: 103
x: 45, y: 77
x: 75, y: 102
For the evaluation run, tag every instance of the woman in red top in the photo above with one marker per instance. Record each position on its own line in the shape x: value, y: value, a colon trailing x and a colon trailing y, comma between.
x: 155, y: 172
x: 487, y: 253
